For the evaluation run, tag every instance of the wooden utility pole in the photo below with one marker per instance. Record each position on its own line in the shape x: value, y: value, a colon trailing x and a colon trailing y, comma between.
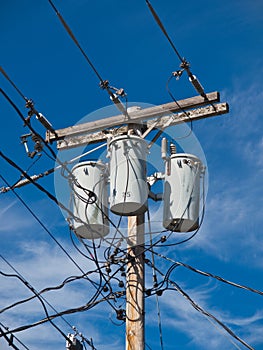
x: 135, y: 313
x: 158, y: 117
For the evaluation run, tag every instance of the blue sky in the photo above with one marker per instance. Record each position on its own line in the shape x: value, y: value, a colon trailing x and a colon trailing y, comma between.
x: 223, y: 42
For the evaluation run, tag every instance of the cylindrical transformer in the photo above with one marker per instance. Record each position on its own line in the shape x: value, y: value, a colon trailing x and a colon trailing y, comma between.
x: 182, y: 193
x: 91, y: 210
x: 128, y: 182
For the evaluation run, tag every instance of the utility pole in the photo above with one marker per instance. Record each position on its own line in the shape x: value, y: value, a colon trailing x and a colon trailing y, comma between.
x: 135, y: 314
x: 158, y: 117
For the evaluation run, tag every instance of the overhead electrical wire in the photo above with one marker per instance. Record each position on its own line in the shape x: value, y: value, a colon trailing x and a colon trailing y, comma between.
x: 158, y: 21
x: 68, y: 280
x: 40, y: 298
x: 184, y: 64
x: 33, y: 214
x: 104, y: 84
x: 32, y: 289
x: 208, y: 274
x: 201, y: 310
x: 82, y: 308
x: 42, y: 224
x: 12, y: 337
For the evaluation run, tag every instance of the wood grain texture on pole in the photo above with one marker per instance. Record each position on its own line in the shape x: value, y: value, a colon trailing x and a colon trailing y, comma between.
x: 135, y: 314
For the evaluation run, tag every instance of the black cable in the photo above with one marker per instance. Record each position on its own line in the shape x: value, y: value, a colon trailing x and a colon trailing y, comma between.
x: 42, y: 225
x: 157, y: 19
x: 180, y: 108
x: 12, y: 336
x: 204, y: 312
x: 184, y: 64
x: 48, y: 289
x: 83, y: 308
x: 209, y: 274
x: 32, y: 289
x: 75, y: 40
x: 13, y: 84
x: 10, y: 341
x: 104, y: 84
x: 42, y: 299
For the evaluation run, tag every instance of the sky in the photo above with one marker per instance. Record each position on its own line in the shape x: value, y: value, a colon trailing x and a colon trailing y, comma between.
x: 223, y: 43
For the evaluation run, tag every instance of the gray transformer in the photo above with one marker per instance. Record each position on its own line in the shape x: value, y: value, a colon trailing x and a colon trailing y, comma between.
x: 182, y: 192
x: 128, y: 181
x: 90, y: 176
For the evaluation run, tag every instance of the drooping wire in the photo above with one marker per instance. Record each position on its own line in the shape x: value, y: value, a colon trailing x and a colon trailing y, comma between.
x: 98, y: 291
x: 203, y: 311
x: 83, y: 308
x: 32, y: 289
x: 68, y: 280
x: 42, y: 299
x: 208, y: 274
x: 42, y: 224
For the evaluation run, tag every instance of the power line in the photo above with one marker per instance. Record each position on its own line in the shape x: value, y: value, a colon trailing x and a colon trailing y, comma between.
x: 201, y: 310
x: 11, y: 339
x: 32, y: 289
x: 41, y: 299
x: 48, y: 289
x: 42, y: 224
x: 208, y: 274
x: 184, y: 64
x: 82, y: 308
x: 104, y: 84
x: 159, y: 22
x: 51, y: 235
